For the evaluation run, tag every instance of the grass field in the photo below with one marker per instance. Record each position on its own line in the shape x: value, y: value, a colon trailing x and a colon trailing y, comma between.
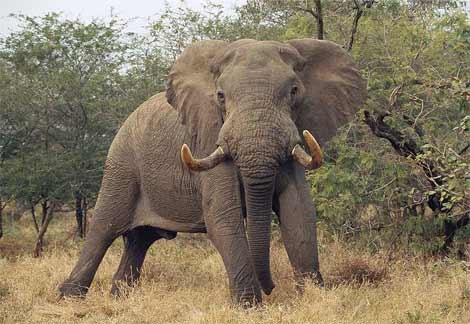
x: 184, y: 282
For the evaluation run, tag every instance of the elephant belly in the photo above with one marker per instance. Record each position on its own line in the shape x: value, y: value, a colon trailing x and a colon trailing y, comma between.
x: 180, y: 215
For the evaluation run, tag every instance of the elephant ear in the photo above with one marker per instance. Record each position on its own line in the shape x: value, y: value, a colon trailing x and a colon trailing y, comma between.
x: 191, y: 91
x: 334, y: 88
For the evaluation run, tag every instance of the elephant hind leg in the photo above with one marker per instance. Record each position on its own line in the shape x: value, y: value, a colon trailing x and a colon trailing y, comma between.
x: 136, y: 243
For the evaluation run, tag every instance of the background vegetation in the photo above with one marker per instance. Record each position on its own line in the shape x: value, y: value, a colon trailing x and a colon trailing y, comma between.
x: 396, y: 180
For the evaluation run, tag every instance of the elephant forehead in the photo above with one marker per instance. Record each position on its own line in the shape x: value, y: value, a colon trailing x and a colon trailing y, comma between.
x: 261, y: 52
x: 258, y: 53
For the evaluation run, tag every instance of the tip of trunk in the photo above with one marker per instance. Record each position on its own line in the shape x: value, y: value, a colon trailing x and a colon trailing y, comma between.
x: 267, y: 285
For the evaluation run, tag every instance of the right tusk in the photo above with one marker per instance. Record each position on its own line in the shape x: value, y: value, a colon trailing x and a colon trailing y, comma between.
x: 202, y: 164
x: 310, y: 161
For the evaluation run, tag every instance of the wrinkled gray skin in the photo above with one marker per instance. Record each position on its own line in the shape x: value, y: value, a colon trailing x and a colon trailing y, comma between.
x: 251, y: 98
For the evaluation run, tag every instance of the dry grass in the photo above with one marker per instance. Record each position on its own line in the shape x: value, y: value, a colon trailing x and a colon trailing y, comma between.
x: 184, y: 282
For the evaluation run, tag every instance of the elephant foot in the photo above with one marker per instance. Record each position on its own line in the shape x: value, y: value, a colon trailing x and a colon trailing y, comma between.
x: 68, y: 289
x: 301, y: 280
x: 121, y: 288
x: 247, y: 297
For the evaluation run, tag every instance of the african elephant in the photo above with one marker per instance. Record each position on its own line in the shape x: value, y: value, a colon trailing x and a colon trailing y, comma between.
x: 242, y: 106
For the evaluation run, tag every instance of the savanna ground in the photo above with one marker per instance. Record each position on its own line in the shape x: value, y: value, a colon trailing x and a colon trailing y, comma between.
x: 184, y: 281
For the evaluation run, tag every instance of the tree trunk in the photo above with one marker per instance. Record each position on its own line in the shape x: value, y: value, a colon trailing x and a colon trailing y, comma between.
x: 85, y: 207
x: 49, y: 210
x: 33, y: 215
x: 45, y: 208
x: 1, y: 218
x: 79, y: 214
x: 318, y: 9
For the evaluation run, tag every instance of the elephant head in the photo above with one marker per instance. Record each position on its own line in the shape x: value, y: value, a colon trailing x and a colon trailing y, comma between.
x: 248, y: 101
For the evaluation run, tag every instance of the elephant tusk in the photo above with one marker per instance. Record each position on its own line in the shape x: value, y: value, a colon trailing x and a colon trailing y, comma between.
x: 201, y: 164
x: 310, y: 161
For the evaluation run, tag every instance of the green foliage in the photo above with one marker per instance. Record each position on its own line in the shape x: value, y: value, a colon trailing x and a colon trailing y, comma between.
x: 62, y: 82
x: 299, y: 26
x: 356, y: 190
x: 179, y: 26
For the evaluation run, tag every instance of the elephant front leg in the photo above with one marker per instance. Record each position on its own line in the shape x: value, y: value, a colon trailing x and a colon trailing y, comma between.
x: 96, y: 244
x: 226, y: 230
x: 294, y: 206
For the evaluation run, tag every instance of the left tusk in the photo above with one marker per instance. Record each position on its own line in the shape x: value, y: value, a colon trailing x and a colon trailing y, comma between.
x: 310, y: 161
x: 202, y: 164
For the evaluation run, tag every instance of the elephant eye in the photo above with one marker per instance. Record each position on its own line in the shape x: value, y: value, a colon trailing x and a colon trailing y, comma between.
x: 294, y: 91
x: 221, y: 96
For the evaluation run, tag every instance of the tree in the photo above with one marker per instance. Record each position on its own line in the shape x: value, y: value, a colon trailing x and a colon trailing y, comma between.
x: 59, y: 115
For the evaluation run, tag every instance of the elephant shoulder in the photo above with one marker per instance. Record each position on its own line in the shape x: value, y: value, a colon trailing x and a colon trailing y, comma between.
x: 148, y: 120
x: 153, y: 114
x: 155, y: 122
x: 154, y: 106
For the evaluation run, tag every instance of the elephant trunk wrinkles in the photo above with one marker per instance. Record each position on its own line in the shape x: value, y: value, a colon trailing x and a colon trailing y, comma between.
x: 259, y: 193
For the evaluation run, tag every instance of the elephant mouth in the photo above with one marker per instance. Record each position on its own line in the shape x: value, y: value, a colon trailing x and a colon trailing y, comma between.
x: 310, y: 161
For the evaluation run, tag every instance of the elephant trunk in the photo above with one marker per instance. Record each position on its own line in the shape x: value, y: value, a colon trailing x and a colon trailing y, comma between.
x: 259, y: 193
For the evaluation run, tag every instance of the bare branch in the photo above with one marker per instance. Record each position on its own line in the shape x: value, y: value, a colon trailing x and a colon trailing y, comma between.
x: 359, y: 11
x: 317, y: 14
x: 307, y: 10
x: 403, y: 146
x: 462, y: 151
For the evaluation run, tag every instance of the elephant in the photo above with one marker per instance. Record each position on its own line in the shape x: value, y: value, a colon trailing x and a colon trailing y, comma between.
x: 247, y: 109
